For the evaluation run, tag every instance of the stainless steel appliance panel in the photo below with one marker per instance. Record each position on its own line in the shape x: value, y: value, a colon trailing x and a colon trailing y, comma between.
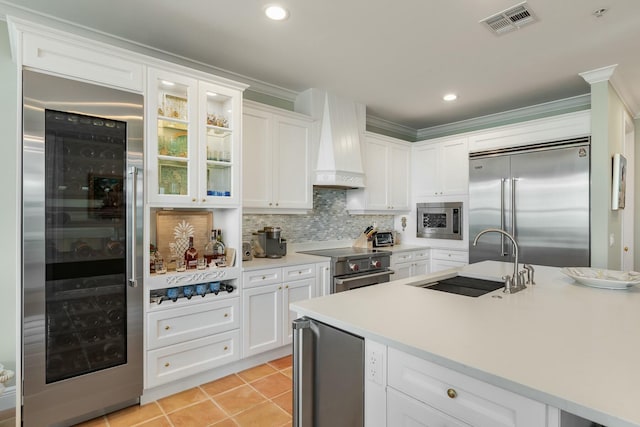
x: 551, y: 190
x: 439, y: 220
x: 489, y: 207
x: 328, y: 372
x: 82, y: 250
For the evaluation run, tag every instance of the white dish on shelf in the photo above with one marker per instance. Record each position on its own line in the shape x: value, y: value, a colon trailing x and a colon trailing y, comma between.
x: 599, y: 278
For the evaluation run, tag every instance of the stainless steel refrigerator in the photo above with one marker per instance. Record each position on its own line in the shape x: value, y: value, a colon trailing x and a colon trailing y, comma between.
x: 538, y: 194
x: 82, y: 250
x: 328, y: 376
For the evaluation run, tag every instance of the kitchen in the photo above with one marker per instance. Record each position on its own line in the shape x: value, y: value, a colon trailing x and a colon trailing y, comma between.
x: 607, y: 258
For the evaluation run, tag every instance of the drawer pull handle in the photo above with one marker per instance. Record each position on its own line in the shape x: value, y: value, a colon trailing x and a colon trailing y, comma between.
x: 166, y: 328
x: 226, y: 315
x: 166, y: 365
x: 452, y: 393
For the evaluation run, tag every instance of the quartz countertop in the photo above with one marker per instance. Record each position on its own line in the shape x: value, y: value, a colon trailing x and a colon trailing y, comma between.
x: 292, y: 258
x: 561, y: 343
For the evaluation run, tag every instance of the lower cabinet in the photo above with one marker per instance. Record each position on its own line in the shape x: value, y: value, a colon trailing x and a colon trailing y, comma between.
x: 266, y: 315
x: 444, y: 259
x: 423, y: 393
x: 192, y: 338
x: 410, y: 263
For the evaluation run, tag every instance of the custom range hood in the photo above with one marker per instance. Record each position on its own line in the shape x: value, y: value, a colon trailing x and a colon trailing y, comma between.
x: 342, y: 122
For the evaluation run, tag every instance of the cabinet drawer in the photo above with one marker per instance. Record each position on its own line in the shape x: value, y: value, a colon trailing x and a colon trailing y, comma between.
x: 87, y: 63
x: 443, y: 254
x: 255, y: 278
x: 401, y: 257
x: 403, y: 411
x: 465, y: 398
x: 182, y: 360
x: 296, y: 272
x: 422, y: 254
x: 177, y: 325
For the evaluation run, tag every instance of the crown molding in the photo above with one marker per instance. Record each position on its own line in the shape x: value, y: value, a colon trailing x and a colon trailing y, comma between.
x: 599, y: 74
x: 498, y: 119
x: 398, y: 130
x: 7, y: 9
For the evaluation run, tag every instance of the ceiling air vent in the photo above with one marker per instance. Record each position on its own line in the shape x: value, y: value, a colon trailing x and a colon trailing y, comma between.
x: 510, y: 19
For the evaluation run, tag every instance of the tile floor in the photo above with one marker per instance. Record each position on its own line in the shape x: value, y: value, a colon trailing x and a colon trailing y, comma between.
x: 260, y: 396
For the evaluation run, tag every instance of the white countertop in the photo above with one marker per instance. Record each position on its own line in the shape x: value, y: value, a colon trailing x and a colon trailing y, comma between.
x: 293, y: 258
x: 558, y: 342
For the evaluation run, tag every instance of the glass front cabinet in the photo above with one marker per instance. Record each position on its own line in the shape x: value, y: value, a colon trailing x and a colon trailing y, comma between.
x: 193, y: 141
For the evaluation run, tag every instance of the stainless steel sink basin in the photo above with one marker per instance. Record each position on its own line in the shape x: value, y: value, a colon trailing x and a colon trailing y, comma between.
x: 462, y: 285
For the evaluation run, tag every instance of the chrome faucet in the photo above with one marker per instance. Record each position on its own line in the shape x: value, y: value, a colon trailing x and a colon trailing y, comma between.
x: 515, y: 283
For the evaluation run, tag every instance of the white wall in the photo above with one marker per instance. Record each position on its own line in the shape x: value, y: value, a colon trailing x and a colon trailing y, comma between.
x: 9, y: 188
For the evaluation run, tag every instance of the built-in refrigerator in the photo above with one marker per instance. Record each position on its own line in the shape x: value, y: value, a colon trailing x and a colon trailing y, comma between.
x: 82, y: 252
x: 540, y: 195
x: 328, y: 376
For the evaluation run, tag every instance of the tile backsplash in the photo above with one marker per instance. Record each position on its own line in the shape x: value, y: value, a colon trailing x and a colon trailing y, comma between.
x: 329, y: 220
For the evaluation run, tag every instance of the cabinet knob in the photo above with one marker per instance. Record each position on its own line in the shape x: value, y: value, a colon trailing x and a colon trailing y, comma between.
x: 264, y: 277
x: 277, y: 204
x: 279, y: 287
x: 270, y: 204
x: 286, y: 287
x: 626, y: 248
x: 166, y: 365
x: 204, y: 200
x: 193, y: 200
x: 226, y: 315
x: 226, y: 348
x: 452, y: 393
x: 166, y: 328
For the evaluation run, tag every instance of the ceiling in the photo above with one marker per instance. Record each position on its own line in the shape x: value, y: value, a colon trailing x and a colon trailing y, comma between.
x: 398, y: 58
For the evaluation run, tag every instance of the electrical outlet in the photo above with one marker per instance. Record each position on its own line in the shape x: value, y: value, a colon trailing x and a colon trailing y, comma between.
x: 374, y: 366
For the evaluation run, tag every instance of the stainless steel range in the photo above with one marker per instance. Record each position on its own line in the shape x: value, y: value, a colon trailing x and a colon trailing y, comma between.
x: 355, y: 267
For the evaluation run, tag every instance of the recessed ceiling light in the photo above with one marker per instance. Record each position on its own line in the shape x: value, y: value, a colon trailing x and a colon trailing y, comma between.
x: 450, y: 97
x: 277, y: 13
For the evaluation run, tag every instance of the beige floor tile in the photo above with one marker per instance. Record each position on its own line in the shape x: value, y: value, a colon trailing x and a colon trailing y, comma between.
x: 134, y: 415
x: 239, y: 399
x: 182, y: 399
x: 273, y: 385
x: 256, y: 372
x: 222, y: 385
x: 282, y: 363
x: 199, y: 415
x: 226, y: 423
x: 288, y: 372
x: 156, y: 422
x: 265, y: 414
x: 285, y: 401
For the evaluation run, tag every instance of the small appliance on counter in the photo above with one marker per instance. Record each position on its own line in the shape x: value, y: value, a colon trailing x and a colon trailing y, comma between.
x: 383, y: 239
x: 269, y: 244
x: 246, y: 251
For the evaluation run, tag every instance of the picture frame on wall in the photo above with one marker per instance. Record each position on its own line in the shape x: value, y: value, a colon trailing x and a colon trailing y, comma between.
x: 619, y: 181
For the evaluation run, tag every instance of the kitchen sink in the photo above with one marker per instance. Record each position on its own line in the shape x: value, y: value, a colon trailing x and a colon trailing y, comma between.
x: 462, y: 285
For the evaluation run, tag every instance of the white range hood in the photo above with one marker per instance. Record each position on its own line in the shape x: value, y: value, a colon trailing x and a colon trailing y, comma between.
x: 342, y: 122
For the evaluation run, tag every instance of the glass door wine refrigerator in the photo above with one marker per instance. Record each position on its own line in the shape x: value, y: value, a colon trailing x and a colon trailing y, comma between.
x: 82, y: 250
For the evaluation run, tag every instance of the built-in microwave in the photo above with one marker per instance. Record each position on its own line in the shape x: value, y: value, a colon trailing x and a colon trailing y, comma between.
x: 439, y: 220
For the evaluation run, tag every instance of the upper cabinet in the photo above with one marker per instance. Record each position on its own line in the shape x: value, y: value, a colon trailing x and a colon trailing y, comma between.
x: 276, y: 159
x: 441, y: 167
x: 193, y: 148
x: 387, y: 171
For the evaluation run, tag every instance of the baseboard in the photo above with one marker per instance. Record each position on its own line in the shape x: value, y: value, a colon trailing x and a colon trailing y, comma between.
x: 8, y: 398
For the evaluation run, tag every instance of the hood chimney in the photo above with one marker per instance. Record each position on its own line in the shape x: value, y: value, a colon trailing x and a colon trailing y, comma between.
x: 342, y: 122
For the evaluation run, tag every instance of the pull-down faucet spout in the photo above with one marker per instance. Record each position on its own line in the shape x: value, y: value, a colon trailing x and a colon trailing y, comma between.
x: 515, y: 283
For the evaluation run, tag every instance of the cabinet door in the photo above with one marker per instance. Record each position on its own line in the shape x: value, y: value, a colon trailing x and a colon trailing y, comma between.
x: 257, y: 182
x: 403, y: 411
x: 402, y: 271
x: 454, y: 173
x: 292, y: 292
x: 399, y: 172
x: 377, y: 175
x: 420, y: 267
x: 292, y: 163
x: 425, y: 170
x: 323, y: 279
x: 172, y: 142
x: 262, y: 319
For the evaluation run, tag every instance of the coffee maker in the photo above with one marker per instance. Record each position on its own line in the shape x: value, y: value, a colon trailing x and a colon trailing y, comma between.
x: 269, y: 244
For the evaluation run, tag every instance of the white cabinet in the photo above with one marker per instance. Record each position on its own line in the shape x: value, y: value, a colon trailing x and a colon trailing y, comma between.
x: 410, y: 263
x: 440, y: 168
x: 423, y: 393
x: 193, y: 149
x: 444, y: 259
x: 387, y: 171
x: 265, y: 303
x: 276, y: 159
x: 323, y: 278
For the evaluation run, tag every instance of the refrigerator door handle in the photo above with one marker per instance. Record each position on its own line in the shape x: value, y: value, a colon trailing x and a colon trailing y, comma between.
x: 502, y: 183
x: 513, y: 209
x: 133, y: 173
x: 302, y: 373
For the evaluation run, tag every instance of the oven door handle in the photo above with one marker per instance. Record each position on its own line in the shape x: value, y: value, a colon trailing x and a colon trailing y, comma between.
x: 365, y: 276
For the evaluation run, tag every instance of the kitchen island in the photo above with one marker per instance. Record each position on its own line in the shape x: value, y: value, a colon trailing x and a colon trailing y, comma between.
x: 559, y: 343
